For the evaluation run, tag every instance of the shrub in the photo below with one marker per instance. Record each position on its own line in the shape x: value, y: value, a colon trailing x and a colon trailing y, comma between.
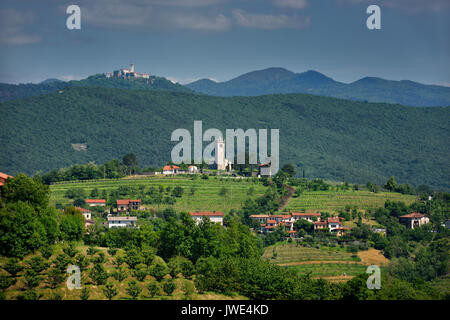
x: 153, y: 288
x: 134, y: 289
x: 169, y: 286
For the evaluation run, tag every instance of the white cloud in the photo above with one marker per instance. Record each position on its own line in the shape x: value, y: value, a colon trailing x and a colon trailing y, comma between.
x: 293, y: 4
x: 269, y: 21
x: 199, y: 22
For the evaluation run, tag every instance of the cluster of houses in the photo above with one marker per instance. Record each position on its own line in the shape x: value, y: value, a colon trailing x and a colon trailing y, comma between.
x: 269, y: 222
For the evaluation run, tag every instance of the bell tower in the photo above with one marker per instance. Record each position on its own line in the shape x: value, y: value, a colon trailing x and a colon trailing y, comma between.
x: 220, y: 154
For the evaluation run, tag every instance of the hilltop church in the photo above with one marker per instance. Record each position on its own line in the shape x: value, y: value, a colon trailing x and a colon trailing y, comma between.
x: 220, y: 162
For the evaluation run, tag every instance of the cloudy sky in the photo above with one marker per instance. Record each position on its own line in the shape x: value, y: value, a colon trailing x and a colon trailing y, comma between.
x: 185, y: 40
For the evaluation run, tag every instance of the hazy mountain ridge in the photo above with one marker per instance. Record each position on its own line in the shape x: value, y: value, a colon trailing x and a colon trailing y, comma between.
x: 372, y: 89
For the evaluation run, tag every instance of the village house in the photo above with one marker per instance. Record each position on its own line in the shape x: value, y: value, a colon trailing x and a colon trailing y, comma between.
x: 414, y: 220
x: 95, y: 202
x: 128, y: 205
x: 214, y: 216
x: 87, y: 214
x: 334, y: 223
x: 320, y: 225
x: 172, y: 169
x: 340, y: 231
x: 120, y: 222
x: 311, y: 217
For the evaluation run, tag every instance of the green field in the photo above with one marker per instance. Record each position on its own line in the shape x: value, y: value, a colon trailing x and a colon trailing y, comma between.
x: 290, y: 252
x: 337, y: 200
x: 206, y: 196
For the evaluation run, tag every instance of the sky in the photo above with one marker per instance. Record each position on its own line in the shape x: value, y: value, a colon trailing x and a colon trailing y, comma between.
x: 186, y: 40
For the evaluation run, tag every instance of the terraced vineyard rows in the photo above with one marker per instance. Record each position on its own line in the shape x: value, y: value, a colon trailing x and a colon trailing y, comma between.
x: 336, y: 200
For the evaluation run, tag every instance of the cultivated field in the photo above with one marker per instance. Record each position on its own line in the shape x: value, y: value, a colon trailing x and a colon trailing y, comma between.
x: 331, y: 263
x: 333, y: 201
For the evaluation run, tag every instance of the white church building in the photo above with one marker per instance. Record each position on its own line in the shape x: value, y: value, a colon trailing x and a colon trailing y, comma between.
x: 220, y: 162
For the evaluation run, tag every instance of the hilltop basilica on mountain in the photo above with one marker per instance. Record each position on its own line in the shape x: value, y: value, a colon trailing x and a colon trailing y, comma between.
x: 127, y: 73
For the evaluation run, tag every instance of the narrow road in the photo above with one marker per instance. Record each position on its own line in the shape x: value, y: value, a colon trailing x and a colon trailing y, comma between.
x: 286, y: 198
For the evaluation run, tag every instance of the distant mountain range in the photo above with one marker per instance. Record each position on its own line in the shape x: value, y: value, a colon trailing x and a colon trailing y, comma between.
x: 279, y: 80
x: 12, y: 91
x: 267, y: 81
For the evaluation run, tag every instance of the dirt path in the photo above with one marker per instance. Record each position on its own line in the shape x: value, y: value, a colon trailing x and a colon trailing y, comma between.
x: 286, y: 198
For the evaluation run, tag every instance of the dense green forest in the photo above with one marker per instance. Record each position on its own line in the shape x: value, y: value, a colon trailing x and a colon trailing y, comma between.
x: 326, y: 137
x: 12, y: 91
x: 279, y: 80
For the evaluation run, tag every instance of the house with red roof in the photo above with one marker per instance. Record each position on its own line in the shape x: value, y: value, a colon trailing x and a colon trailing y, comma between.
x: 213, y: 216
x: 170, y: 169
x: 95, y: 202
x: 128, y: 205
x: 413, y: 220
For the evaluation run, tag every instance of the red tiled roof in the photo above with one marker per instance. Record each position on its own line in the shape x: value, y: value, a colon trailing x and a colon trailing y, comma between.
x: 83, y: 210
x: 292, y: 231
x: 168, y: 168
x: 259, y: 216
x: 320, y: 222
x: 334, y: 220
x: 95, y: 201
x: 302, y: 214
x: 271, y: 221
x: 413, y: 215
x: 283, y: 216
x: 206, y: 213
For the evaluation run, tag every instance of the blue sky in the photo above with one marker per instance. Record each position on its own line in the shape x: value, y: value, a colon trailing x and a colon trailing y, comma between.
x: 185, y: 40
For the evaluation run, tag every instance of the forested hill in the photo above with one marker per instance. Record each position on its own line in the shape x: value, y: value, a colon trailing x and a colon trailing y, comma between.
x: 279, y: 80
x: 329, y: 138
x: 12, y: 91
